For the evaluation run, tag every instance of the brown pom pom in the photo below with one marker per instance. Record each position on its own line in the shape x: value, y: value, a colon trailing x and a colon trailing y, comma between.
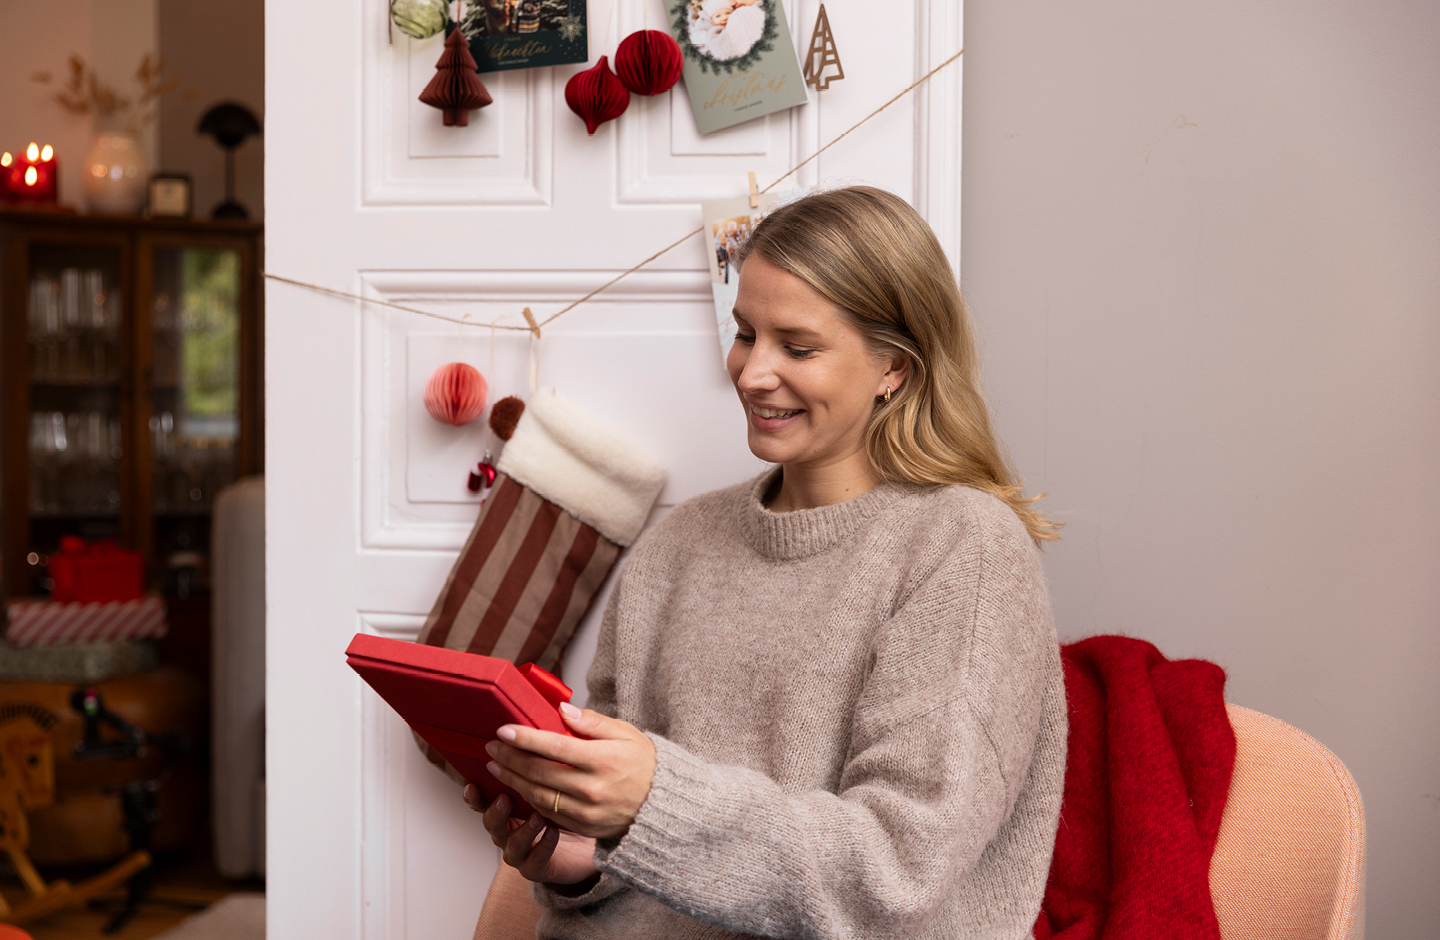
x: 505, y: 415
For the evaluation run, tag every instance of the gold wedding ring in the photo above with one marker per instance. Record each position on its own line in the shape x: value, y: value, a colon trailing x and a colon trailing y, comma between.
x: 555, y: 810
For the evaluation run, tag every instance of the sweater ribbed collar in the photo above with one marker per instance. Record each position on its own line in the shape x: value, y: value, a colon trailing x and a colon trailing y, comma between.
x: 800, y: 533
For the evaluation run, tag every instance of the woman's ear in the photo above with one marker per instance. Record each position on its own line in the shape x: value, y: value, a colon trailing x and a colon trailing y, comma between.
x: 898, y: 372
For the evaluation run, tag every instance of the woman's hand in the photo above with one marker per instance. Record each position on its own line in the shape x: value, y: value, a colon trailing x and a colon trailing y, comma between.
x: 601, y: 783
x: 552, y: 855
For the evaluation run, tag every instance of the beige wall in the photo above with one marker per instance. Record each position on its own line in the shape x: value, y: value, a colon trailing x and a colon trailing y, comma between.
x: 218, y: 49
x: 1202, y: 242
x: 112, y: 35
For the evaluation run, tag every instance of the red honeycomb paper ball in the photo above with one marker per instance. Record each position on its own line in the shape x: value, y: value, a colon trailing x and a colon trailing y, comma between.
x: 456, y: 394
x: 649, y: 62
x: 597, y: 95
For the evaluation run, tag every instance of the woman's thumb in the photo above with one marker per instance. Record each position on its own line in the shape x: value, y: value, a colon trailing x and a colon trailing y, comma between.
x: 585, y: 722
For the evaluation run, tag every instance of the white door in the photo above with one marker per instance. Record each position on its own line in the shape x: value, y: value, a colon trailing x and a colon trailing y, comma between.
x: 366, y: 192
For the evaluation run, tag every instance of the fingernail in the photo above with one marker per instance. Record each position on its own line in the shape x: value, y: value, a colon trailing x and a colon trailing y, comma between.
x: 569, y: 711
x: 494, y: 769
x: 534, y: 820
x: 492, y: 749
x: 506, y: 733
x: 469, y: 793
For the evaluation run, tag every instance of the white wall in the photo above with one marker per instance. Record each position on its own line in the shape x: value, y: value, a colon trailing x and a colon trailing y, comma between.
x: 217, y: 47
x: 1202, y: 242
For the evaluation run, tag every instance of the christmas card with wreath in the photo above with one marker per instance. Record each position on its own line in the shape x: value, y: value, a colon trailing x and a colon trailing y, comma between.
x: 739, y: 60
x: 525, y: 34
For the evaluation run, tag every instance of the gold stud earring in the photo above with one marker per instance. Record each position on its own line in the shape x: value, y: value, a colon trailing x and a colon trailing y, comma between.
x: 887, y: 393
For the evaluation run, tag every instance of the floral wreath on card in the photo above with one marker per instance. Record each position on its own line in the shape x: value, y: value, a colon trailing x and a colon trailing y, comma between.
x: 684, y: 12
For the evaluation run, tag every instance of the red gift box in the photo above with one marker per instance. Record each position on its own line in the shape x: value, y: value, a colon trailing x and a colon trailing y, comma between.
x: 96, y: 571
x: 455, y: 701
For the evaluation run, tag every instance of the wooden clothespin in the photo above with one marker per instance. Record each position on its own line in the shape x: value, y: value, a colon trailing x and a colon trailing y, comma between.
x: 530, y: 319
x: 822, y: 54
x: 754, y: 192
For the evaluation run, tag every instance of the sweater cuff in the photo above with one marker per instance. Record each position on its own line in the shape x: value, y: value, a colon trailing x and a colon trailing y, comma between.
x: 553, y: 900
x: 668, y: 833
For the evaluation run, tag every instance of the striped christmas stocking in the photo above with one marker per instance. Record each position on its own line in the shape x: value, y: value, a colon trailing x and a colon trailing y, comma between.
x: 568, y: 498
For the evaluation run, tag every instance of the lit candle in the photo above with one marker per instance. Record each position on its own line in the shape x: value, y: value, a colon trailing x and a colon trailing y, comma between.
x: 6, y: 159
x: 33, y: 177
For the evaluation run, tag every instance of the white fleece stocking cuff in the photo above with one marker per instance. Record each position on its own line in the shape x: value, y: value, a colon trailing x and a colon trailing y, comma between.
x: 584, y: 468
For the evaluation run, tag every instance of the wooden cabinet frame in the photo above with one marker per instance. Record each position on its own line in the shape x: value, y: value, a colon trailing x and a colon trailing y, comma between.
x: 136, y: 241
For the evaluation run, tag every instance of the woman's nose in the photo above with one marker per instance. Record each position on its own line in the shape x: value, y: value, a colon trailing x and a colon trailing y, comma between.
x: 758, y: 373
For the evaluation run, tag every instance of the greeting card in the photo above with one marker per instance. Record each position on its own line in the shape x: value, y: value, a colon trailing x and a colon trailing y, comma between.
x: 740, y: 62
x: 525, y: 34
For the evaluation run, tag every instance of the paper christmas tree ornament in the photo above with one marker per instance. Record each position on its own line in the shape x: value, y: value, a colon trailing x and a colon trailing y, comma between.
x: 822, y: 55
x: 568, y: 497
x: 456, y: 89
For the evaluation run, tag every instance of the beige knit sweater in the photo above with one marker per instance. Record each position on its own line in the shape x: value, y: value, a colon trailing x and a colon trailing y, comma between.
x: 859, y: 718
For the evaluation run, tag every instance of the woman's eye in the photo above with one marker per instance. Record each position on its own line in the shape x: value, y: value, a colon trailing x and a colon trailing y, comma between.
x: 747, y: 338
x: 799, y: 353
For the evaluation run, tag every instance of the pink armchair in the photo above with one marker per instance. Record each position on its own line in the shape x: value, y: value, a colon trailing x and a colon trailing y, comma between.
x: 1289, y: 863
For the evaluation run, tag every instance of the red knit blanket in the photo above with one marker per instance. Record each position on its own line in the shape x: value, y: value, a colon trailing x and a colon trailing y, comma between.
x: 1146, y: 778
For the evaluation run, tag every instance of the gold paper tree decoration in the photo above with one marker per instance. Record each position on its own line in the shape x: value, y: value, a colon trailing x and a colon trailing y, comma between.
x: 822, y: 55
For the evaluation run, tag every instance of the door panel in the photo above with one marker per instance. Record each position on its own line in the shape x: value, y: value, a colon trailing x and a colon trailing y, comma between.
x: 370, y: 194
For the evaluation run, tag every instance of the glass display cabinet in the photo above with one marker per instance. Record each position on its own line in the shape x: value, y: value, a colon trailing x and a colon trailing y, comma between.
x: 130, y: 369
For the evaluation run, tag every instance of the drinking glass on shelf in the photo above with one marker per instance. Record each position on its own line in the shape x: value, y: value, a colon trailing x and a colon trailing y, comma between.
x: 70, y: 296
x: 94, y: 295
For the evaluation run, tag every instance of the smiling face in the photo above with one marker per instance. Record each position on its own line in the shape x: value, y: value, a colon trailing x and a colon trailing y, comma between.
x: 806, y: 377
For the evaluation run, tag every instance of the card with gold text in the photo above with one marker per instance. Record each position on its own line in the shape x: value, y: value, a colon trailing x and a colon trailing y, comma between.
x: 740, y: 62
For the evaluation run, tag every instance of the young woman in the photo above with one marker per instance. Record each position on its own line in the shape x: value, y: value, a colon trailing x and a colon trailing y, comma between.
x: 827, y: 702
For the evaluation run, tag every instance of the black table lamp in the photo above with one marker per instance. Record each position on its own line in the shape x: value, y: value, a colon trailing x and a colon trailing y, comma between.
x: 229, y: 124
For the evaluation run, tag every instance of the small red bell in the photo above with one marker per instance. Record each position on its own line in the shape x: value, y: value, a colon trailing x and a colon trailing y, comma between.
x: 483, y: 475
x: 597, y: 95
x: 649, y: 62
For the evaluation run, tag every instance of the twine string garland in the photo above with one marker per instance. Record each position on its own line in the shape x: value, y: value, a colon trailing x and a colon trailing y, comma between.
x: 532, y: 326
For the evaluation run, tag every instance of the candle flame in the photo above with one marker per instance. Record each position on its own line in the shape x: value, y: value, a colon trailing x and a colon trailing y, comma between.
x: 47, y: 153
x: 31, y: 176
x: 32, y: 152
x: 6, y: 159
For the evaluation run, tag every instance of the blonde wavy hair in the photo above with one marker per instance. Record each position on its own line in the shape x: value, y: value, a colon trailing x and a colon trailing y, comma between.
x: 870, y: 254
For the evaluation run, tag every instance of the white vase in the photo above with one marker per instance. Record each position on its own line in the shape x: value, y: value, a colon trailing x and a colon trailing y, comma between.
x: 116, y: 176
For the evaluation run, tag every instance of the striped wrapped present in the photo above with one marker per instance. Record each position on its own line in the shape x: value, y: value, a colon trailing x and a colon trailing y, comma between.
x: 568, y: 498
x: 59, y: 623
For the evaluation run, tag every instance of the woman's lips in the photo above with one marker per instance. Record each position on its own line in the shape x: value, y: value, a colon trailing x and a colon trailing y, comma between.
x: 772, y: 419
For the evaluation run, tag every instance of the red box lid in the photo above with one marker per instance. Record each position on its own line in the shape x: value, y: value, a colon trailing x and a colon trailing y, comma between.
x: 456, y: 701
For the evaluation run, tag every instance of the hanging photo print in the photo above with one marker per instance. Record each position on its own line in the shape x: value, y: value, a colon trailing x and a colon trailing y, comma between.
x: 728, y: 224
x: 525, y: 34
x: 739, y: 60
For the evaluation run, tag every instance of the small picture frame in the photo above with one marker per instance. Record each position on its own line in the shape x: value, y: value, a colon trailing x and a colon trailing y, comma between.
x: 171, y: 195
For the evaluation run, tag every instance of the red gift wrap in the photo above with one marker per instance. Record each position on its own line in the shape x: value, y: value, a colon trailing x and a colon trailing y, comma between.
x: 96, y: 571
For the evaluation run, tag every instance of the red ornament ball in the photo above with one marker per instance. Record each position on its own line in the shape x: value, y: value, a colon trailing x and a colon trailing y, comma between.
x: 597, y: 95
x: 649, y: 62
x: 456, y: 394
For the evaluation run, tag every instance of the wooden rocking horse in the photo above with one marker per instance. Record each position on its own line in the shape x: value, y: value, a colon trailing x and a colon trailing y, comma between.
x: 27, y: 782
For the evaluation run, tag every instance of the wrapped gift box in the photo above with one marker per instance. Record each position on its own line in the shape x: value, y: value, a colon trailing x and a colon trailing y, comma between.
x: 96, y: 571
x: 56, y: 623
